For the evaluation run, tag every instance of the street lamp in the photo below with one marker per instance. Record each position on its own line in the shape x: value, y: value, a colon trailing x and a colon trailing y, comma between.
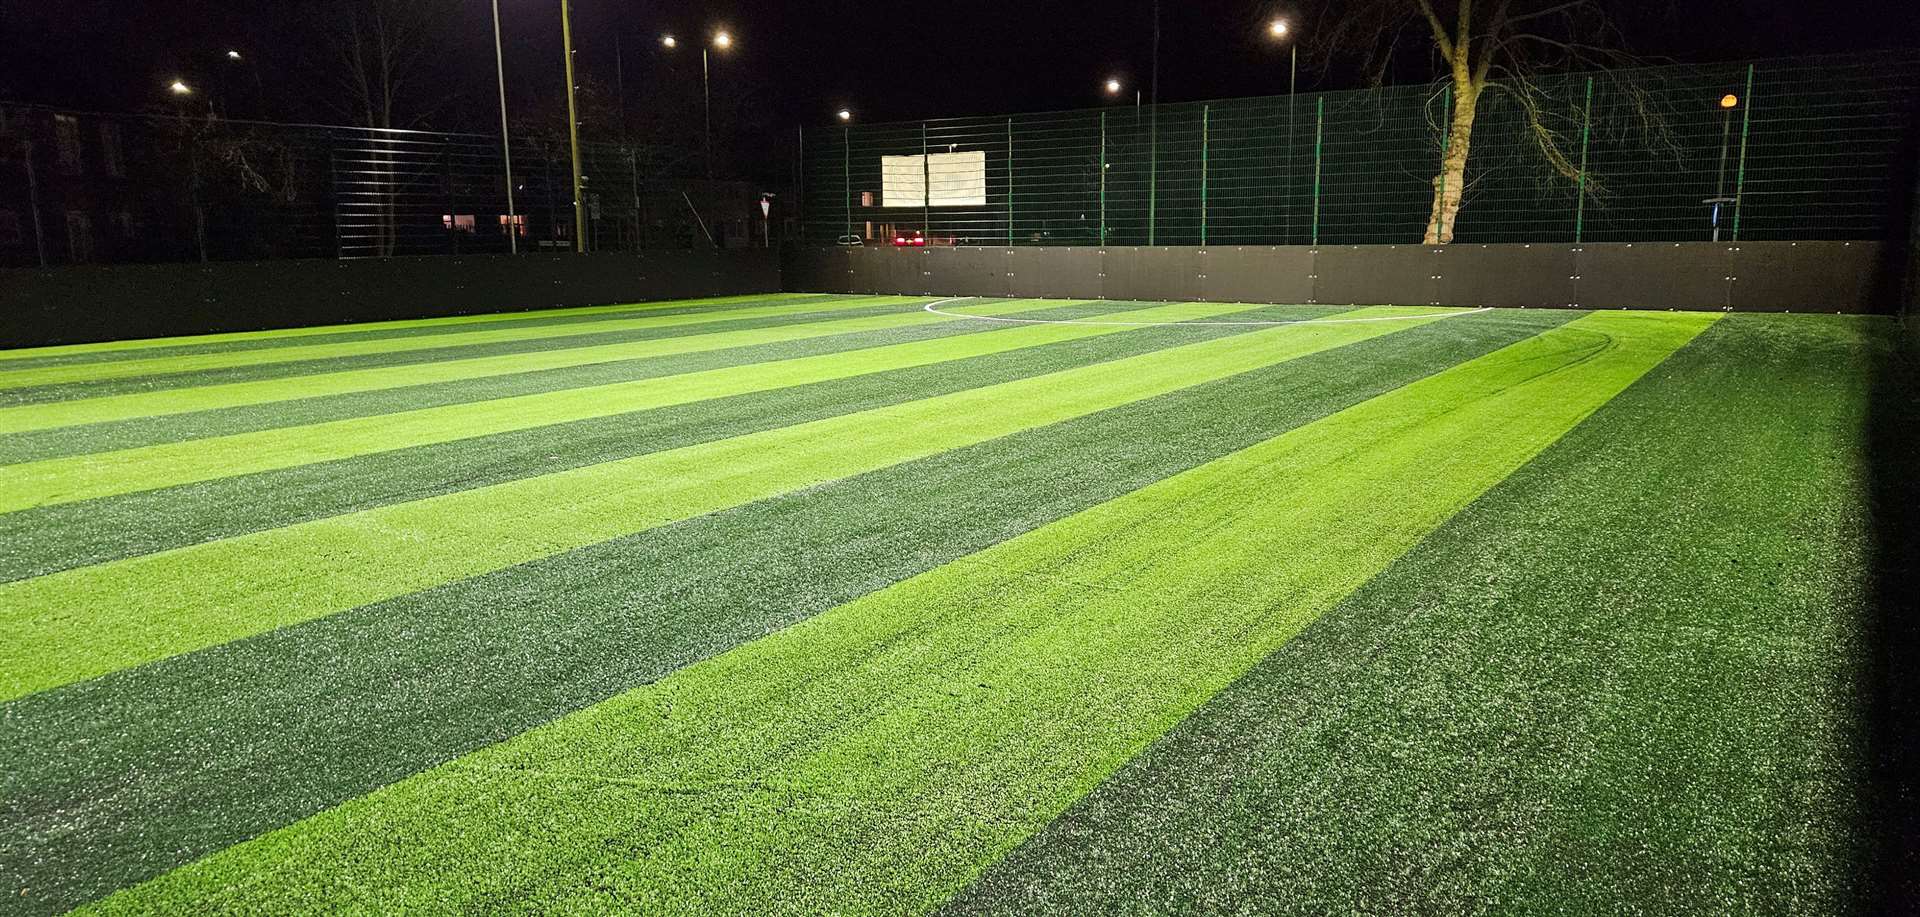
x: 722, y: 40
x: 1114, y: 87
x: 233, y: 55
x: 845, y: 115
x: 180, y: 88
x: 506, y: 142
x: 1278, y: 30
x: 573, y: 131
x: 1728, y: 103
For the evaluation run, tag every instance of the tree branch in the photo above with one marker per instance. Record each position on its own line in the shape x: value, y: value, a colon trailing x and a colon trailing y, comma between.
x: 1439, y: 31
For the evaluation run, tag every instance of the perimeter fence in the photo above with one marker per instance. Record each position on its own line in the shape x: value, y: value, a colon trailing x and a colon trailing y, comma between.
x: 1805, y: 148
x: 79, y: 187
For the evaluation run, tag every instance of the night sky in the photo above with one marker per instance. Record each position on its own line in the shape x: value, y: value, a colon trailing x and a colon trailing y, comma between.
x: 798, y: 61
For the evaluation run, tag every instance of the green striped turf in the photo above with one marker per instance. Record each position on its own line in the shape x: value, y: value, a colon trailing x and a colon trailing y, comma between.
x: 63, y: 354
x: 874, y: 757
x: 36, y: 358
x: 65, y: 535
x: 210, y: 397
x: 81, y: 623
x: 59, y: 442
x: 107, y: 474
x: 68, y: 383
x: 1629, y: 676
x: 320, y: 712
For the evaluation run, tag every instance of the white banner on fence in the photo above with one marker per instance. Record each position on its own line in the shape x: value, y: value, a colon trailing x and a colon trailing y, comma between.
x: 934, y: 180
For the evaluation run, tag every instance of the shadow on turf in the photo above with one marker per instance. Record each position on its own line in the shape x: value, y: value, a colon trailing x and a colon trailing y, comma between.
x: 1893, y: 714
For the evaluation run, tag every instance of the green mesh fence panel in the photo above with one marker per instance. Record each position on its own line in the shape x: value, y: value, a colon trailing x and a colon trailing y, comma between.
x: 1814, y: 148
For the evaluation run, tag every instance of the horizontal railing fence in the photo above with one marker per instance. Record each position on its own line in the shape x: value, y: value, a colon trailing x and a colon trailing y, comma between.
x: 81, y: 187
x: 1810, y: 148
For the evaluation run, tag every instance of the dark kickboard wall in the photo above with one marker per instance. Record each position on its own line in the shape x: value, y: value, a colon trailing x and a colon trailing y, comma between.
x: 79, y: 304
x: 1745, y: 276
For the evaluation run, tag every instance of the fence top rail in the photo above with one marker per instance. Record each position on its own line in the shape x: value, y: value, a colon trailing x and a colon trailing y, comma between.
x: 1885, y: 57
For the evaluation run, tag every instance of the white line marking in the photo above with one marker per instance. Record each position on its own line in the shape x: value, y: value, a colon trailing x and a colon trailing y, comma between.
x: 1297, y: 321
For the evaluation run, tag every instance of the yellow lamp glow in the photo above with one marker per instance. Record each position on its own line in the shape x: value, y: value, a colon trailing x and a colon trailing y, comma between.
x: 1729, y: 100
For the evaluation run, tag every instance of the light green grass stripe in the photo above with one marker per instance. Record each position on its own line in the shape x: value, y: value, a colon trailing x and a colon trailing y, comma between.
x: 183, y: 400
x: 85, y: 477
x: 85, y: 622
x: 131, y: 349
x: 874, y: 758
x: 93, y: 372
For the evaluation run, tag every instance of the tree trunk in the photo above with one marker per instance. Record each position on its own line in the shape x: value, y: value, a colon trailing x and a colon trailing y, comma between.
x: 1448, y: 185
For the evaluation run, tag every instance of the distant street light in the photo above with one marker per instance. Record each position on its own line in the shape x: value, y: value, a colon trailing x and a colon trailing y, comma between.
x: 180, y: 88
x: 722, y: 40
x: 1113, y: 87
x: 846, y: 115
x: 1278, y: 28
x: 233, y: 55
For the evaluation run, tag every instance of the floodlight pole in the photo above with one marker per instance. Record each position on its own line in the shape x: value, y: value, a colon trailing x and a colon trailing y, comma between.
x: 1740, y: 172
x: 706, y: 103
x: 506, y: 140
x: 1153, y: 133
x: 573, y: 131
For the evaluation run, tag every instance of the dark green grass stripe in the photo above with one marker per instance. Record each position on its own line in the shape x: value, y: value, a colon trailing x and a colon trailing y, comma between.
x: 114, y: 780
x: 68, y: 391
x: 58, y: 442
x: 63, y: 536
x: 533, y: 319
x: 1627, y: 678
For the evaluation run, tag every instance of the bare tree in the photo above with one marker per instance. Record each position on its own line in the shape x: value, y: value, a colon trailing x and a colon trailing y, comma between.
x: 1484, y: 47
x: 376, y: 52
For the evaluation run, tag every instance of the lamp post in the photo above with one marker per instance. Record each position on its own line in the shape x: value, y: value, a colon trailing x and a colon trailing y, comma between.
x: 722, y: 40
x: 506, y: 145
x: 1278, y: 30
x: 1728, y: 103
x: 573, y: 131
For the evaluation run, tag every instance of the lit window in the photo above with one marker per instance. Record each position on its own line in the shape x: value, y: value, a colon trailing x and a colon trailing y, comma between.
x: 866, y: 198
x: 458, y: 222
x: 518, y: 220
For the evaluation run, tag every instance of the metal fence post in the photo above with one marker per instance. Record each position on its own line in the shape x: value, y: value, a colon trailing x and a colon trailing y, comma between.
x: 1103, y: 178
x: 1153, y: 170
x: 846, y: 175
x: 926, y: 188
x: 1319, y: 135
x: 1740, y: 174
x: 1446, y: 147
x: 1580, y: 204
x: 1009, y: 181
x: 1206, y: 116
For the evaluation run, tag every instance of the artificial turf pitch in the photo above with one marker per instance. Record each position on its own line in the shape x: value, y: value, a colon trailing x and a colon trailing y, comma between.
x: 826, y: 604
